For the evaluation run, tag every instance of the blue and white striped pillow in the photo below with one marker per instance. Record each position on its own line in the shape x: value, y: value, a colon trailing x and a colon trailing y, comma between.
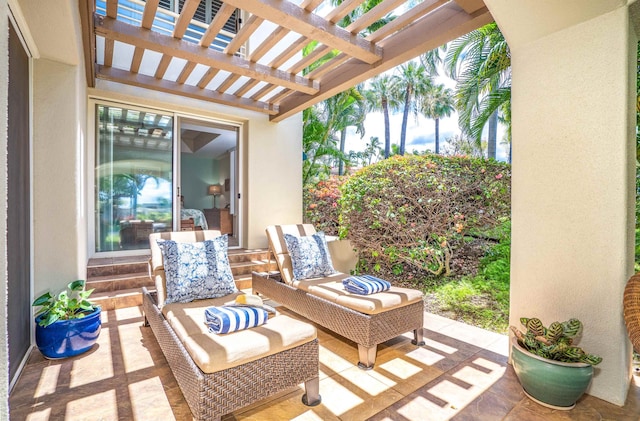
x: 228, y: 319
x: 365, y: 284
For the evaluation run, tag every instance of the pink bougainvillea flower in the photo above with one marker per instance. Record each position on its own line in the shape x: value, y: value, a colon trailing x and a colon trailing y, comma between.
x: 334, y: 204
x: 499, y: 176
x: 313, y: 206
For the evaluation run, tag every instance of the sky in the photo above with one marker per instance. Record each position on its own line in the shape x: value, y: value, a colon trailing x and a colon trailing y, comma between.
x: 420, y: 132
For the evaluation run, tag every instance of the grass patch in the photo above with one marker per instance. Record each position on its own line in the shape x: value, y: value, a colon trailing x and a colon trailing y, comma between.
x: 481, y: 300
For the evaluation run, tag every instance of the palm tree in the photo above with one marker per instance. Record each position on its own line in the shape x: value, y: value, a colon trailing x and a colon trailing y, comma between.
x: 411, y: 83
x: 480, y: 62
x: 380, y: 97
x: 318, y: 145
x: 344, y: 110
x: 372, y: 149
x: 435, y: 104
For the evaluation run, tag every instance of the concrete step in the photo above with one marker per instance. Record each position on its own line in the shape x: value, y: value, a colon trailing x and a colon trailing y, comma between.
x: 120, y: 282
x: 247, y: 255
x: 111, y: 300
x: 245, y: 268
x: 132, y: 297
x: 97, y: 268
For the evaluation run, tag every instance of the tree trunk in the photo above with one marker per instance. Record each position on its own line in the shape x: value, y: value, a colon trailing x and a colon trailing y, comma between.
x: 493, y: 133
x: 405, y: 117
x: 343, y: 138
x: 387, y: 130
x: 437, y: 136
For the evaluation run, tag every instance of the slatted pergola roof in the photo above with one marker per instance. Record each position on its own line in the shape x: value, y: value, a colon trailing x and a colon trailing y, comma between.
x: 143, y: 44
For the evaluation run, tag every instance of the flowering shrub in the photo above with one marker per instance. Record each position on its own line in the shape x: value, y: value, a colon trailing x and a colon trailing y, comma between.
x: 409, y: 215
x: 321, y: 204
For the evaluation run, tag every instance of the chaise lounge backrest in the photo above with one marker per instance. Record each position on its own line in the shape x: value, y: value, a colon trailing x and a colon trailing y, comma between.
x: 275, y: 235
x: 156, y: 265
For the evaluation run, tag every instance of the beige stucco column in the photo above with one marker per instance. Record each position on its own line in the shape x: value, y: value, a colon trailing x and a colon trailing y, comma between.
x: 573, y: 105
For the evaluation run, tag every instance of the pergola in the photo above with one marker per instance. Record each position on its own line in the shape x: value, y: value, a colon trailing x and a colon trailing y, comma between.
x: 124, y: 42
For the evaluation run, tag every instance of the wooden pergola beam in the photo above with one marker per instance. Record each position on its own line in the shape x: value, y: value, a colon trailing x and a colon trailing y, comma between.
x: 373, y: 15
x: 243, y: 34
x: 161, y: 85
x: 312, y: 26
x: 216, y: 25
x: 87, y: 10
x: 433, y: 30
x: 150, y: 40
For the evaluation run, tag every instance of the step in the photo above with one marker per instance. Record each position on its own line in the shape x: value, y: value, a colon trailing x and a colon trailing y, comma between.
x: 119, y: 282
x: 132, y: 297
x: 245, y: 268
x: 111, y: 300
x: 119, y: 266
x: 247, y: 255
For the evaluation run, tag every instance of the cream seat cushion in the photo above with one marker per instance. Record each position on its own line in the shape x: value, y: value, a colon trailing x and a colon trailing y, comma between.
x: 214, y: 353
x: 331, y: 289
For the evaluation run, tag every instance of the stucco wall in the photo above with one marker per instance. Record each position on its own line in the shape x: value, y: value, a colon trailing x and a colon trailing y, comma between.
x: 271, y: 154
x: 4, y: 83
x: 573, y: 184
x: 59, y: 120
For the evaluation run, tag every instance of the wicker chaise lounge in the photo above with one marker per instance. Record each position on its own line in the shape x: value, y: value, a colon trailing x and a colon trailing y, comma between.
x: 367, y: 320
x: 219, y: 374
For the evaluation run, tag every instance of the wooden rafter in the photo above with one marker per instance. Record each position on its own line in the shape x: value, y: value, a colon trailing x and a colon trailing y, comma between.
x: 226, y: 84
x: 129, y: 34
x: 216, y: 25
x: 112, y: 8
x: 207, y: 77
x: 273, y: 89
x: 251, y: 83
x: 243, y: 34
x: 373, y: 15
x: 149, y: 13
x: 280, y: 33
x: 400, y: 22
x: 87, y: 10
x: 108, y: 52
x: 311, y: 26
x: 162, y: 85
x: 342, y: 10
x: 437, y: 28
x: 188, y: 10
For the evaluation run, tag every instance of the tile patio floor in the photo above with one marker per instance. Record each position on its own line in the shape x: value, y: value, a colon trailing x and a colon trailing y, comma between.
x: 461, y: 374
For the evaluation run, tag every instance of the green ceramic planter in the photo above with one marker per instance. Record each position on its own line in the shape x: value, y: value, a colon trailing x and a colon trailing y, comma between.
x: 551, y: 383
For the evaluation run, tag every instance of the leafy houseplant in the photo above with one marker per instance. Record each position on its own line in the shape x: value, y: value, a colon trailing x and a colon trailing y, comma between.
x: 68, y: 323
x: 552, y: 370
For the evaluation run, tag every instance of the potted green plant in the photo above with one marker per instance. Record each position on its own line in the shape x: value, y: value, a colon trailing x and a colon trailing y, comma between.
x: 552, y: 370
x: 67, y: 324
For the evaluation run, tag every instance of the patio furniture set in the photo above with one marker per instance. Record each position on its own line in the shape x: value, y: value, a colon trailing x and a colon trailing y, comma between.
x: 219, y: 373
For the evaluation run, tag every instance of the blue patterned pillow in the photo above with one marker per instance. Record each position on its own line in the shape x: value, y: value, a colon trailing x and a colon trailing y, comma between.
x: 197, y: 270
x: 310, y: 256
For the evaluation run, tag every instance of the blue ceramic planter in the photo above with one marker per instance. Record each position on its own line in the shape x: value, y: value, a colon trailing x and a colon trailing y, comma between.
x: 66, y: 338
x: 554, y: 384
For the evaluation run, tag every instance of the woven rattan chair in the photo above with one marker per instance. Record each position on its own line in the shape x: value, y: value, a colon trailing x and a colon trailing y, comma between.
x: 631, y: 307
x: 212, y: 395
x: 366, y: 330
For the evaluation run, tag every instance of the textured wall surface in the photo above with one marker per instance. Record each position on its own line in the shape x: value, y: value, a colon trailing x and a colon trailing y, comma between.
x: 573, y: 177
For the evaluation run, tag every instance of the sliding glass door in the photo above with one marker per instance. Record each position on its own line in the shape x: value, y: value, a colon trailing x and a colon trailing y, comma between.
x: 134, y: 177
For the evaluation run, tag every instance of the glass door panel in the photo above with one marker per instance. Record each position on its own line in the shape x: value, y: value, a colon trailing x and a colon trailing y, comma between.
x: 134, y: 177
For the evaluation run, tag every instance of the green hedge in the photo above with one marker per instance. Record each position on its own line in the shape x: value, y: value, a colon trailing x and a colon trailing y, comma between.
x: 409, y: 216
